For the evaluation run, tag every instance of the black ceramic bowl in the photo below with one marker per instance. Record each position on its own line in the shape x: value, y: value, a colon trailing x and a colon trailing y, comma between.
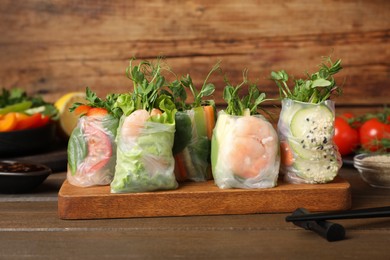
x: 24, y: 142
x: 21, y: 177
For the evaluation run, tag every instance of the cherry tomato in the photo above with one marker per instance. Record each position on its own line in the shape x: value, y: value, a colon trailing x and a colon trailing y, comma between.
x: 372, y: 132
x: 346, y: 138
x: 97, y: 111
x: 82, y: 110
x: 286, y: 155
x: 352, y: 120
x: 347, y: 115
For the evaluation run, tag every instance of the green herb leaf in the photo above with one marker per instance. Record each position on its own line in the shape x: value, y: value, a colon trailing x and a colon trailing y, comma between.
x: 247, y: 104
x: 178, y: 89
x: 207, y: 90
x: 148, y: 82
x: 94, y: 101
x: 317, y: 88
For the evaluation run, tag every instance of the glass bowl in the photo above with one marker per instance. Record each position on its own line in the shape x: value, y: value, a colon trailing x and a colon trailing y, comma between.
x: 374, y: 169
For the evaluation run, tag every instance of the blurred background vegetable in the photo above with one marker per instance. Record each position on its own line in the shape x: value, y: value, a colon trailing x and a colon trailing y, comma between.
x: 365, y: 133
x: 19, y: 111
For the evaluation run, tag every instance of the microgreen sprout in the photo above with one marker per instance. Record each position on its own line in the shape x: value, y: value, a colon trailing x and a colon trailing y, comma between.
x: 248, y: 104
x: 317, y: 88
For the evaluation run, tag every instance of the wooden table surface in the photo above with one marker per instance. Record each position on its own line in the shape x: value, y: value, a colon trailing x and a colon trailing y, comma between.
x: 30, y: 229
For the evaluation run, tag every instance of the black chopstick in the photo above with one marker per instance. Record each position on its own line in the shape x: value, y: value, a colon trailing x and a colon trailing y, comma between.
x: 326, y: 229
x: 347, y: 214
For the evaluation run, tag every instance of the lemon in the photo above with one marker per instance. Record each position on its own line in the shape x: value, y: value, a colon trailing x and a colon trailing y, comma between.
x: 68, y: 120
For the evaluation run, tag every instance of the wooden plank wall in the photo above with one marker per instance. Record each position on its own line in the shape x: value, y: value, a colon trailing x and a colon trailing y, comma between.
x: 57, y: 46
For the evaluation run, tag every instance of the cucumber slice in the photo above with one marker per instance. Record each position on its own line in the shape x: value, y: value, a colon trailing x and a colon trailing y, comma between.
x: 290, y: 108
x: 214, y: 153
x: 200, y: 121
x: 315, y: 120
x: 317, y: 171
x: 306, y: 153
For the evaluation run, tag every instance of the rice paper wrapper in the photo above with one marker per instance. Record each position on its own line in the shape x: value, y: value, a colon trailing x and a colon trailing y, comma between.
x: 306, y: 131
x: 92, y: 151
x: 144, y: 159
x: 244, y: 152
x: 193, y: 148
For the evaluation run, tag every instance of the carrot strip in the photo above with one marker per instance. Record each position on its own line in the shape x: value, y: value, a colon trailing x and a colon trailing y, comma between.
x: 210, y: 120
x: 287, y: 157
x: 180, y: 168
x: 155, y: 111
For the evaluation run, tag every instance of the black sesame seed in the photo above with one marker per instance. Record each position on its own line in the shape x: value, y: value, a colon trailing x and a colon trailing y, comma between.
x: 307, y: 119
x: 325, y: 140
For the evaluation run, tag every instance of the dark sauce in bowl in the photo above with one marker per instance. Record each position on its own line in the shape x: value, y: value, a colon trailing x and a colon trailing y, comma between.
x: 21, y: 177
x: 17, y: 167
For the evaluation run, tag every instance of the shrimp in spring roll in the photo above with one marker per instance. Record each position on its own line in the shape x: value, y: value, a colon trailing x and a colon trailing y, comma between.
x: 244, y: 148
x: 145, y: 135
x: 91, y: 146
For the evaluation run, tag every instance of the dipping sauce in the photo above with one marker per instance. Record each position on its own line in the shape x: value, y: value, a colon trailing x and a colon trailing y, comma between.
x: 21, y: 177
x: 15, y: 167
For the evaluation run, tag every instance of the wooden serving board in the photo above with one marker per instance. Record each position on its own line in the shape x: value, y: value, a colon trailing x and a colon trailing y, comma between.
x: 201, y: 199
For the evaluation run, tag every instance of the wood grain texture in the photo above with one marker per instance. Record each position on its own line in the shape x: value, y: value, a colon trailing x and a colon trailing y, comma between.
x: 200, y: 199
x: 192, y: 244
x: 57, y: 46
x: 32, y: 229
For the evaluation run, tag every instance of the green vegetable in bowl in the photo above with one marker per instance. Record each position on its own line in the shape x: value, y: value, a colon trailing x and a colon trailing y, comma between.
x: 17, y: 100
x: 18, y: 111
